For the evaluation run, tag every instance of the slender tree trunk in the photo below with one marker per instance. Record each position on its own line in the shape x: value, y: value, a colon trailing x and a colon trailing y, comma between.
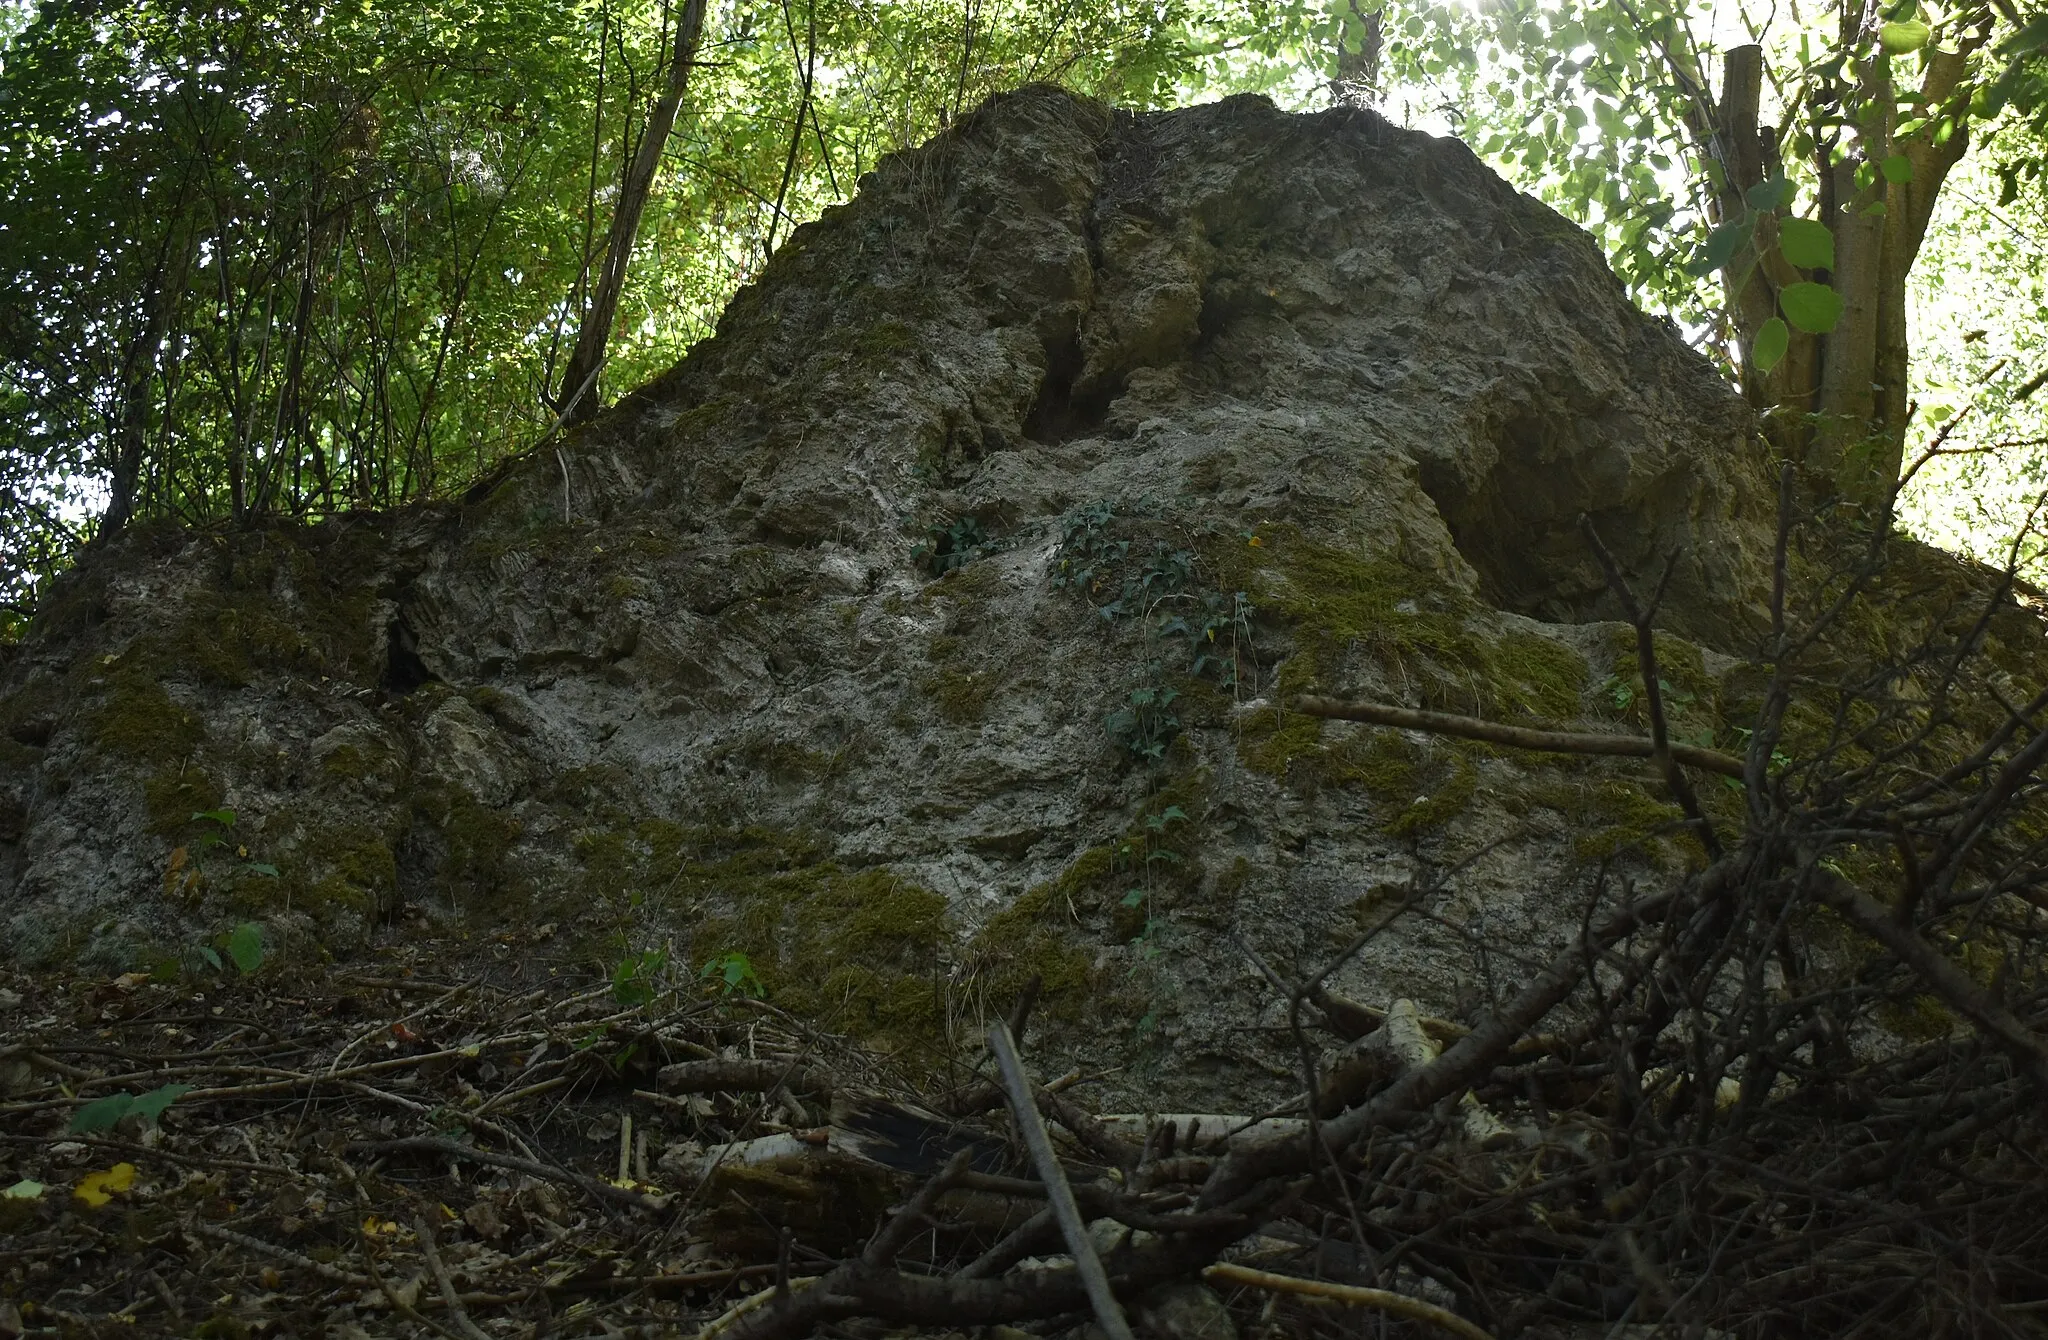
x: 578, y: 397
x: 1358, y: 61
x: 138, y: 370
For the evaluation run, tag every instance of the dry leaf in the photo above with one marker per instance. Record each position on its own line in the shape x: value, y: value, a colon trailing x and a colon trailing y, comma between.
x: 96, y: 1189
x: 484, y: 1220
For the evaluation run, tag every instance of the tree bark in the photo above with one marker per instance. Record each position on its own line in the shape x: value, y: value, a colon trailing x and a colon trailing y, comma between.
x: 578, y: 397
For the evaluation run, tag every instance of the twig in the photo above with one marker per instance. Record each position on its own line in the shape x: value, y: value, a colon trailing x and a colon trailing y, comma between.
x: 432, y: 1251
x: 1013, y: 1247
x: 1518, y: 737
x: 1400, y: 1305
x: 277, y: 1253
x: 753, y: 1303
x: 429, y: 1145
x: 399, y: 1305
x: 1640, y: 617
x: 1945, y: 979
x: 1039, y: 1141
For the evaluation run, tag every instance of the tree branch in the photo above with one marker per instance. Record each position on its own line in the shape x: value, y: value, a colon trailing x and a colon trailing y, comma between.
x: 1518, y: 737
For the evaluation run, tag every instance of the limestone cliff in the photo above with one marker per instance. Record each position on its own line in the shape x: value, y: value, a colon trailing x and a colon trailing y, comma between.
x: 911, y: 637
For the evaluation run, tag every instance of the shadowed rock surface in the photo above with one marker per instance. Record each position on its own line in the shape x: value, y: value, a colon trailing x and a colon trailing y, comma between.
x: 902, y: 639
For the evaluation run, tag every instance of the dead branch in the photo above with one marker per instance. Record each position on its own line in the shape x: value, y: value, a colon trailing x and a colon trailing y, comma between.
x: 1518, y: 737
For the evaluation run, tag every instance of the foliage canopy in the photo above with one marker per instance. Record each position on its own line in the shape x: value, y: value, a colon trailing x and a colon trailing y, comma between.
x: 271, y: 257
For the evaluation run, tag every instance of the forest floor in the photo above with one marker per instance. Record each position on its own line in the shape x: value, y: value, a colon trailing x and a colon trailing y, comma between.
x: 450, y: 1138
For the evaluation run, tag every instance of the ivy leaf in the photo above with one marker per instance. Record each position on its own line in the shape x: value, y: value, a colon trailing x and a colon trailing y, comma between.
x: 1898, y: 169
x: 1722, y: 244
x: 1814, y: 308
x: 1807, y: 244
x: 1900, y: 38
x: 245, y: 946
x: 1767, y: 350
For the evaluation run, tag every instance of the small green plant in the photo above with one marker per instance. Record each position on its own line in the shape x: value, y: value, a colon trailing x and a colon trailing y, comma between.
x: 1219, y: 634
x: 636, y: 980
x: 1146, y: 724
x: 733, y: 973
x: 1142, y: 855
x: 245, y: 949
x: 953, y: 545
x: 187, y: 871
x: 1623, y: 693
x: 103, y: 1114
x: 1087, y: 550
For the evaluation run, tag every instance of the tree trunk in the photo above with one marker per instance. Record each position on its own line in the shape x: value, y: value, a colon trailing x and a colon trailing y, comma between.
x: 1837, y: 402
x: 578, y: 398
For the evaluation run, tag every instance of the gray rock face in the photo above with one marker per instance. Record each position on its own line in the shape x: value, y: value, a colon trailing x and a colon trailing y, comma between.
x: 925, y: 629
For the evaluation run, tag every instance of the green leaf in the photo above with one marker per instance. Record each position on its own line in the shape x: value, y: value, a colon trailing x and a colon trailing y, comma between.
x: 1767, y: 350
x: 1808, y: 245
x: 1722, y: 244
x: 152, y: 1104
x: 22, y: 1190
x: 1900, y: 38
x: 260, y: 868
x: 1134, y: 897
x: 245, y: 946
x: 225, y: 818
x: 736, y: 971
x: 1814, y: 308
x: 1769, y: 195
x: 209, y: 957
x: 1898, y: 169
x: 2033, y: 37
x: 101, y: 1115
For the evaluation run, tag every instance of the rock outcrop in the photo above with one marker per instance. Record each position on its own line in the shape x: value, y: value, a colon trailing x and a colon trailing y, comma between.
x: 927, y: 628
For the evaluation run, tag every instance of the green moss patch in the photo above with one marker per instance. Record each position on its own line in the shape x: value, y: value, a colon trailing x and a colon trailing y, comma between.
x: 136, y: 717
x: 857, y: 951
x: 1414, y: 623
x: 1610, y: 815
x: 476, y: 842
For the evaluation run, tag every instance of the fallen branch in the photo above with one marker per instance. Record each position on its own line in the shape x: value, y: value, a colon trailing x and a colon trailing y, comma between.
x: 276, y: 1253
x: 1518, y: 737
x: 1399, y: 1304
x: 1039, y: 1141
x: 432, y: 1251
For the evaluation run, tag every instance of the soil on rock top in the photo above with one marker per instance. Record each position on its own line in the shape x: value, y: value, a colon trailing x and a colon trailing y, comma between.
x: 927, y: 629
